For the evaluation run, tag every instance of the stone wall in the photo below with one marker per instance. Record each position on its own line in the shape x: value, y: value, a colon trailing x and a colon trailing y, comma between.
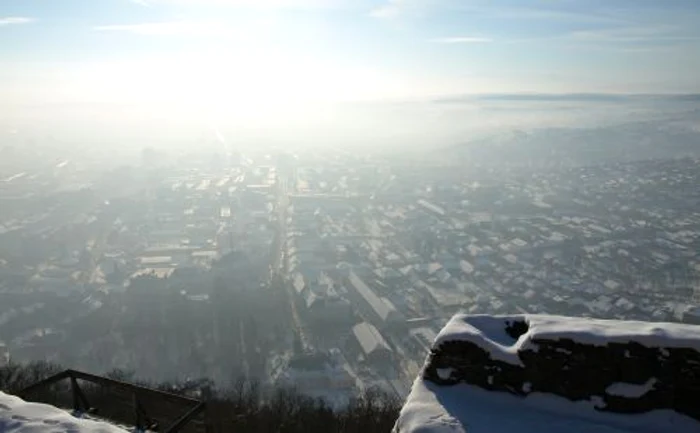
x: 618, y: 377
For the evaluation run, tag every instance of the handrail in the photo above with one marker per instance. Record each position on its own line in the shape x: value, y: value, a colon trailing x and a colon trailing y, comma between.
x: 142, y: 421
x: 45, y: 382
x: 178, y: 424
x: 106, y: 381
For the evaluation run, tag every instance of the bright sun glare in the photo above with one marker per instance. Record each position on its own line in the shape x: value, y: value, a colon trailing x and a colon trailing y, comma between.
x: 248, y: 82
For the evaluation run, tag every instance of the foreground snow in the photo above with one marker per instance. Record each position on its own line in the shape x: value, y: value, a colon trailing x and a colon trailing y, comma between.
x: 18, y: 416
x: 467, y: 409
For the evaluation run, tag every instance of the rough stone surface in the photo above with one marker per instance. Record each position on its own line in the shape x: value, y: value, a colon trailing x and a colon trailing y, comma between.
x: 577, y: 371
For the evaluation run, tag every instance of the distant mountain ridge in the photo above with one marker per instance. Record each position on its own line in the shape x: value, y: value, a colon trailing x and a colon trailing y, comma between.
x: 573, y: 97
x: 629, y: 141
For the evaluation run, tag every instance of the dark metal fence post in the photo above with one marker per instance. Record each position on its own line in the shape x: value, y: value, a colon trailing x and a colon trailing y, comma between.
x: 76, y: 400
x: 137, y: 412
x: 80, y: 401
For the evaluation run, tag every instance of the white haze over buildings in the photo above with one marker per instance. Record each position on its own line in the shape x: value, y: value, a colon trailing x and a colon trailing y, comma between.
x: 415, y: 123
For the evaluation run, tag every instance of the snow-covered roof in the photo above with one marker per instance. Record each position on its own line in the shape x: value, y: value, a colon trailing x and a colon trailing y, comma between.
x: 18, y: 416
x: 382, y: 307
x: 369, y: 338
x: 466, y: 267
x: 299, y: 282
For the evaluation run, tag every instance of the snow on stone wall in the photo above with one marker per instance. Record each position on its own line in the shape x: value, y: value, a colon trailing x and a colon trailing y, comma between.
x: 600, y: 368
x: 574, y: 358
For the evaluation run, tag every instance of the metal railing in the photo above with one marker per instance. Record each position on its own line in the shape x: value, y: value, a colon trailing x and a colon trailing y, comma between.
x: 141, y: 420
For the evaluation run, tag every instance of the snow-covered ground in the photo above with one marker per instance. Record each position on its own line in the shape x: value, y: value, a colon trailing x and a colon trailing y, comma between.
x: 467, y: 409
x: 18, y: 416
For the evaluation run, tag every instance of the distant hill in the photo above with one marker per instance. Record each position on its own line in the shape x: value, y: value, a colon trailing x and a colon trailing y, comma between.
x: 584, y: 145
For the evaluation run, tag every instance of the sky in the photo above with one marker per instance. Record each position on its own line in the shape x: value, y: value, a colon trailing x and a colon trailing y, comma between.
x: 279, y: 57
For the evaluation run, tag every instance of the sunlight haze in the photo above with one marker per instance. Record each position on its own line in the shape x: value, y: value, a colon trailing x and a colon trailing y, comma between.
x: 350, y: 216
x: 287, y: 63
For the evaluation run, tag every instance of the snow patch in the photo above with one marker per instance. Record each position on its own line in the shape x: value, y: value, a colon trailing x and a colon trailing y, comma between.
x: 488, y: 332
x: 598, y: 402
x: 18, y: 416
x: 445, y: 373
x: 631, y: 390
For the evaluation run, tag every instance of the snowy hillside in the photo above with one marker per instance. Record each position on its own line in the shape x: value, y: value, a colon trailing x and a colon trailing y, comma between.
x: 531, y: 373
x: 18, y: 416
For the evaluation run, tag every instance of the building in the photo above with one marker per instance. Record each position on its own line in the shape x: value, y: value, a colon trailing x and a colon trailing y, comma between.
x: 319, y: 375
x: 322, y: 309
x: 381, y: 308
x: 373, y: 348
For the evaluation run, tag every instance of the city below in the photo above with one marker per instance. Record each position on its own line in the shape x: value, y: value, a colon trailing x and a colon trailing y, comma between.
x: 324, y: 270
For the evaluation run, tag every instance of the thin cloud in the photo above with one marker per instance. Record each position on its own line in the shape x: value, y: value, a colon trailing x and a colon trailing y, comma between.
x: 632, y: 35
x: 168, y: 28
x: 535, y: 12
x: 538, y: 13
x: 8, y: 21
x: 461, y: 40
x: 257, y: 4
x: 391, y: 9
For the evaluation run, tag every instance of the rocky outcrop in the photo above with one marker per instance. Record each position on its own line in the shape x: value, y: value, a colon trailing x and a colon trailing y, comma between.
x: 622, y: 367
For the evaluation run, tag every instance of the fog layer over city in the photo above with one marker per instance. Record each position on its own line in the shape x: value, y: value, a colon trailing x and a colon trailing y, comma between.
x: 327, y: 251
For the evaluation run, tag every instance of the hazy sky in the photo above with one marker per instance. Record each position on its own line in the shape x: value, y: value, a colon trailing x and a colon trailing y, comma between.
x: 275, y: 64
x: 344, y: 49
